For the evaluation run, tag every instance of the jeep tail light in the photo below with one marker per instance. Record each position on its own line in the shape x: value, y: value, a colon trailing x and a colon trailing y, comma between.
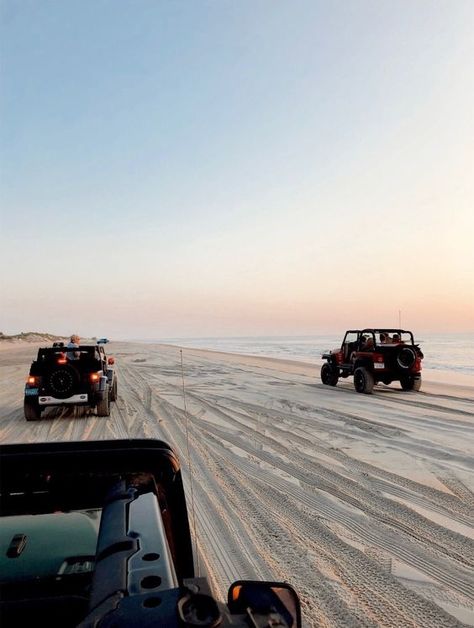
x: 94, y: 377
x: 62, y: 359
x: 31, y: 380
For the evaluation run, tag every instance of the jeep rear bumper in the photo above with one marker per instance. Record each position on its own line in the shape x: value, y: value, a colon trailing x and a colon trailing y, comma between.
x: 47, y: 400
x: 85, y: 397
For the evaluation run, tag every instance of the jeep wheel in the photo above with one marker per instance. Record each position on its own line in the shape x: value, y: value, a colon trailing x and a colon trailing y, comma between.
x: 363, y: 380
x: 103, y: 407
x: 32, y: 410
x: 411, y: 383
x: 406, y: 358
x: 62, y: 381
x: 329, y: 375
x: 113, y: 390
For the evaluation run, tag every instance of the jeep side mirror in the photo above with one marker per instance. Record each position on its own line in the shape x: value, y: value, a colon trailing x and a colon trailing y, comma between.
x: 255, y: 598
x: 111, y: 361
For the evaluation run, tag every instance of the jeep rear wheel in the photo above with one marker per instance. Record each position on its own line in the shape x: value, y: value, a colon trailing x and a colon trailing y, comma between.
x: 113, y: 390
x: 32, y: 410
x: 329, y: 375
x: 363, y: 380
x: 103, y: 407
x: 411, y: 383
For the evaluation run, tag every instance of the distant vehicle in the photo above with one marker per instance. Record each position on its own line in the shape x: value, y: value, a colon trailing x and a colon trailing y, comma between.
x: 102, y: 341
x: 60, y: 568
x: 372, y: 356
x: 61, y: 377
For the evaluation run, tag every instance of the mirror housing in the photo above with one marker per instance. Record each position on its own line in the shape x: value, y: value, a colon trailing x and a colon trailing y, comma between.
x: 255, y: 598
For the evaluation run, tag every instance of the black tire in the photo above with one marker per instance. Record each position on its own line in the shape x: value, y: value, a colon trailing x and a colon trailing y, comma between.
x: 32, y: 410
x: 103, y: 407
x: 411, y: 383
x: 113, y: 390
x: 406, y: 358
x: 329, y: 375
x: 363, y: 380
x: 62, y: 381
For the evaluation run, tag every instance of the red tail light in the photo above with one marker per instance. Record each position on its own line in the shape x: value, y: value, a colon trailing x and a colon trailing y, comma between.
x: 31, y: 380
x: 94, y: 377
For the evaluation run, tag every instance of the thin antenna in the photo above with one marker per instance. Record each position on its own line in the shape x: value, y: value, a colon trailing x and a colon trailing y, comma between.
x: 399, y: 319
x: 196, y: 553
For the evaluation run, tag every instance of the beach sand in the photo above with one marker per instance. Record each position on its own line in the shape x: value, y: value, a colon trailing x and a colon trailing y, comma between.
x: 365, y: 503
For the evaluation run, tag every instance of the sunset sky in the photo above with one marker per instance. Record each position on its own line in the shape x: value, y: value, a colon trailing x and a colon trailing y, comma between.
x: 257, y: 167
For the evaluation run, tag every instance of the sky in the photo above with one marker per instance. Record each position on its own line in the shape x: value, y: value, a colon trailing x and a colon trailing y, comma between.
x: 203, y: 168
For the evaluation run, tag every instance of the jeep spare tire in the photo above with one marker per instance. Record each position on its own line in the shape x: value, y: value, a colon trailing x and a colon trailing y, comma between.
x: 62, y: 381
x: 406, y: 358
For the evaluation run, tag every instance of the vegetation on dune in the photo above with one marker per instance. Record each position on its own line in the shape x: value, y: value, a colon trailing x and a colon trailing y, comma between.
x: 31, y: 336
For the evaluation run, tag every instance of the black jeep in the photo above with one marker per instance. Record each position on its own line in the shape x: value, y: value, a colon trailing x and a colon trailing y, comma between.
x: 62, y: 376
x: 372, y: 356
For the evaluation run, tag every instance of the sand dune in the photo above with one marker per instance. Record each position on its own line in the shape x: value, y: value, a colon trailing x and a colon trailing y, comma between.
x: 364, y: 503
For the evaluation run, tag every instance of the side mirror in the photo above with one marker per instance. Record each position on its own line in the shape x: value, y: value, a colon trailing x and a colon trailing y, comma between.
x: 255, y: 598
x: 111, y: 361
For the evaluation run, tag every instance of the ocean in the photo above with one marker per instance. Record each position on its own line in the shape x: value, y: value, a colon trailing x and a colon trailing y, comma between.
x: 443, y: 352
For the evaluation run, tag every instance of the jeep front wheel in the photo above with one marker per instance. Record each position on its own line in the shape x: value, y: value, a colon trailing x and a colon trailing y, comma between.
x: 329, y: 375
x: 363, y: 380
x: 32, y: 410
x: 411, y: 383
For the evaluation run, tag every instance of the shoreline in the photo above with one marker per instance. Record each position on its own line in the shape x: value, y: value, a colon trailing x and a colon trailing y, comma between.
x: 431, y: 376
x: 460, y: 381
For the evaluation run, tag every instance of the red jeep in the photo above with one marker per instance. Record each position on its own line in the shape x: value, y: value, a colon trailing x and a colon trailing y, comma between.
x: 373, y: 356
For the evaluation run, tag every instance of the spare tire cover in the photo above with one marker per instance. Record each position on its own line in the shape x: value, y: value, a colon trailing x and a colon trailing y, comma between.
x: 62, y: 381
x: 406, y: 358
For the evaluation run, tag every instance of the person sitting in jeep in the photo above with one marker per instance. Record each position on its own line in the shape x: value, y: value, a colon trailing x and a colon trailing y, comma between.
x: 73, y: 344
x: 367, y: 343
